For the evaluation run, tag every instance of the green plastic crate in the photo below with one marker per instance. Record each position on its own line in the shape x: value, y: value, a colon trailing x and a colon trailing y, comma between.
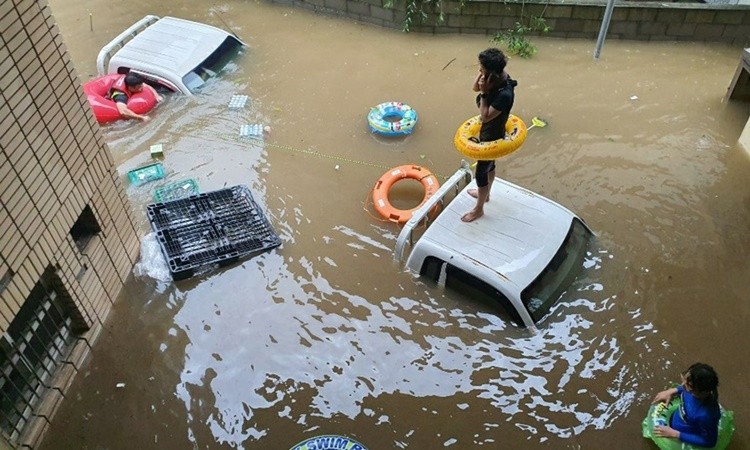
x: 175, y: 191
x: 145, y: 174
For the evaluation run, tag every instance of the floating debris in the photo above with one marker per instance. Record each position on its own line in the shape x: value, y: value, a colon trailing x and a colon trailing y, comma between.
x: 254, y: 130
x: 177, y: 190
x: 238, y: 101
x: 157, y: 150
x: 146, y: 174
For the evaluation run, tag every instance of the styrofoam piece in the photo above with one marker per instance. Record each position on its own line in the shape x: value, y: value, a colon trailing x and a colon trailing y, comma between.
x: 238, y: 101
x: 254, y: 130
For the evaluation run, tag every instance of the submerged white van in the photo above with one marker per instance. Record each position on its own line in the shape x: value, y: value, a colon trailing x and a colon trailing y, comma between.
x: 523, y: 253
x: 175, y: 53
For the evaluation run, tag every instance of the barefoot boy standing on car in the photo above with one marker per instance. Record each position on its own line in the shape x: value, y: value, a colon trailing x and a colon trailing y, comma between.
x: 495, y: 100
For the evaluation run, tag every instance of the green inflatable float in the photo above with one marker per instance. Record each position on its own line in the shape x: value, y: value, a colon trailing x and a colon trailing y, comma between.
x: 660, y: 413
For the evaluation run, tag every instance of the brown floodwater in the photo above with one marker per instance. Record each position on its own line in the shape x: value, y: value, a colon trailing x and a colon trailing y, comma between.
x: 326, y: 335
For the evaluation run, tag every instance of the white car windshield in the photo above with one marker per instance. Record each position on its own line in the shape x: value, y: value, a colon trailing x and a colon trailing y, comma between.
x: 547, y: 288
x: 212, y: 65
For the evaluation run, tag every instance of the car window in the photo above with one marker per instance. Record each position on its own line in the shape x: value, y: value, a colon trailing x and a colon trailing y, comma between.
x: 431, y: 268
x: 160, y: 84
x: 475, y: 288
x: 468, y: 285
x: 212, y: 65
x: 546, y: 289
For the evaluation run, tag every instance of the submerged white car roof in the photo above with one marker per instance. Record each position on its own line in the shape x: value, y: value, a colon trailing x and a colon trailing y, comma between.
x: 178, y: 44
x: 517, y: 237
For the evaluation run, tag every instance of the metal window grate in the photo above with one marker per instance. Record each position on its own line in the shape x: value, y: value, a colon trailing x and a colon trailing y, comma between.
x: 36, y: 341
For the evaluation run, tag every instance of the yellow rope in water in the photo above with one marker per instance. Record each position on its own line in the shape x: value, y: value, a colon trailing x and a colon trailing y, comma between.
x: 366, y: 206
x: 289, y: 148
x: 324, y: 155
x: 537, y: 122
x: 368, y: 200
x: 241, y: 139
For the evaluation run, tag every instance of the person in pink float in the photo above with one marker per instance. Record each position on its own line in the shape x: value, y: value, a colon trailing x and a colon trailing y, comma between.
x: 124, y: 88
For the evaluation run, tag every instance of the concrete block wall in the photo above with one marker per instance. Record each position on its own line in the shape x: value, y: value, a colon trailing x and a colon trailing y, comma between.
x: 656, y: 21
x: 53, y: 164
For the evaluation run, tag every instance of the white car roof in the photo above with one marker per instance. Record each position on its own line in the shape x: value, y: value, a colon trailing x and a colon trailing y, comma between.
x: 516, y: 238
x: 177, y: 44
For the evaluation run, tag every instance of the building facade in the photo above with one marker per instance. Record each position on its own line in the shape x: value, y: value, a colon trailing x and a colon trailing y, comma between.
x: 68, y: 240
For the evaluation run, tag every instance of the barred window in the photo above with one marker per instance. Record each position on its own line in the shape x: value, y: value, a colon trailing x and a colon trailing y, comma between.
x: 37, y: 340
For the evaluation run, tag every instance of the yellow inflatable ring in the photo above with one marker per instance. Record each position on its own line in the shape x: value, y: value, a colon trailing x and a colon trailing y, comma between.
x: 515, y: 134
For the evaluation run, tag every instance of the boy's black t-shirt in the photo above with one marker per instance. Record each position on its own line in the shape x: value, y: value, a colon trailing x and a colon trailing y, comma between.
x: 502, y: 100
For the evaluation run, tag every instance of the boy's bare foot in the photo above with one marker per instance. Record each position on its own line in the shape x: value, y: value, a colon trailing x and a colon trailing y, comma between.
x: 474, y: 193
x: 472, y: 215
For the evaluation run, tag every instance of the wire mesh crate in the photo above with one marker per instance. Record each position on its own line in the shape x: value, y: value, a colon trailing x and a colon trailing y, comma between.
x: 177, y: 190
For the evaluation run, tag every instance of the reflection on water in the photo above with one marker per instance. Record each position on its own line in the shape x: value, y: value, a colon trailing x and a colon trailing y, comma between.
x: 327, y: 335
x: 352, y: 351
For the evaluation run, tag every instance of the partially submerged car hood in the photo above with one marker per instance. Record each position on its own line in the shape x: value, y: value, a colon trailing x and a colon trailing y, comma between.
x: 517, y: 237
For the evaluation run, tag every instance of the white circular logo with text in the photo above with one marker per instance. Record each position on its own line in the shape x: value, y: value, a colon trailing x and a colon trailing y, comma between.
x: 329, y: 442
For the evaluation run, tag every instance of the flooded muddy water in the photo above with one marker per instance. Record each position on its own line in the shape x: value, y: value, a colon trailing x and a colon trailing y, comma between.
x: 326, y: 335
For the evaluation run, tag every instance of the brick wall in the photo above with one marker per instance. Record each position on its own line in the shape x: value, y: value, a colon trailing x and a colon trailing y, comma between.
x: 54, y: 164
x: 577, y: 19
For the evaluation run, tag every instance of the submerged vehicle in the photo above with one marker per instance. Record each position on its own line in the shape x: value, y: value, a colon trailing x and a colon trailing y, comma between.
x: 523, y: 253
x: 177, y: 54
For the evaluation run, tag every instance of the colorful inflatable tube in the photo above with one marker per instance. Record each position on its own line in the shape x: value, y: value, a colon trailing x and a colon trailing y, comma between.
x: 466, y: 139
x: 392, y: 119
x: 105, y: 110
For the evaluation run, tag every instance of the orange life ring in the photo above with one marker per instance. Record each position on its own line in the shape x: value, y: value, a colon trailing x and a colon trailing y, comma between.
x: 383, y: 186
x: 515, y: 134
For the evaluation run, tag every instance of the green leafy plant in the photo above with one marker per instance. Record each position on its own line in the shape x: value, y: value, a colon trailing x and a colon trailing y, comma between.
x: 515, y: 38
x: 418, y: 12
